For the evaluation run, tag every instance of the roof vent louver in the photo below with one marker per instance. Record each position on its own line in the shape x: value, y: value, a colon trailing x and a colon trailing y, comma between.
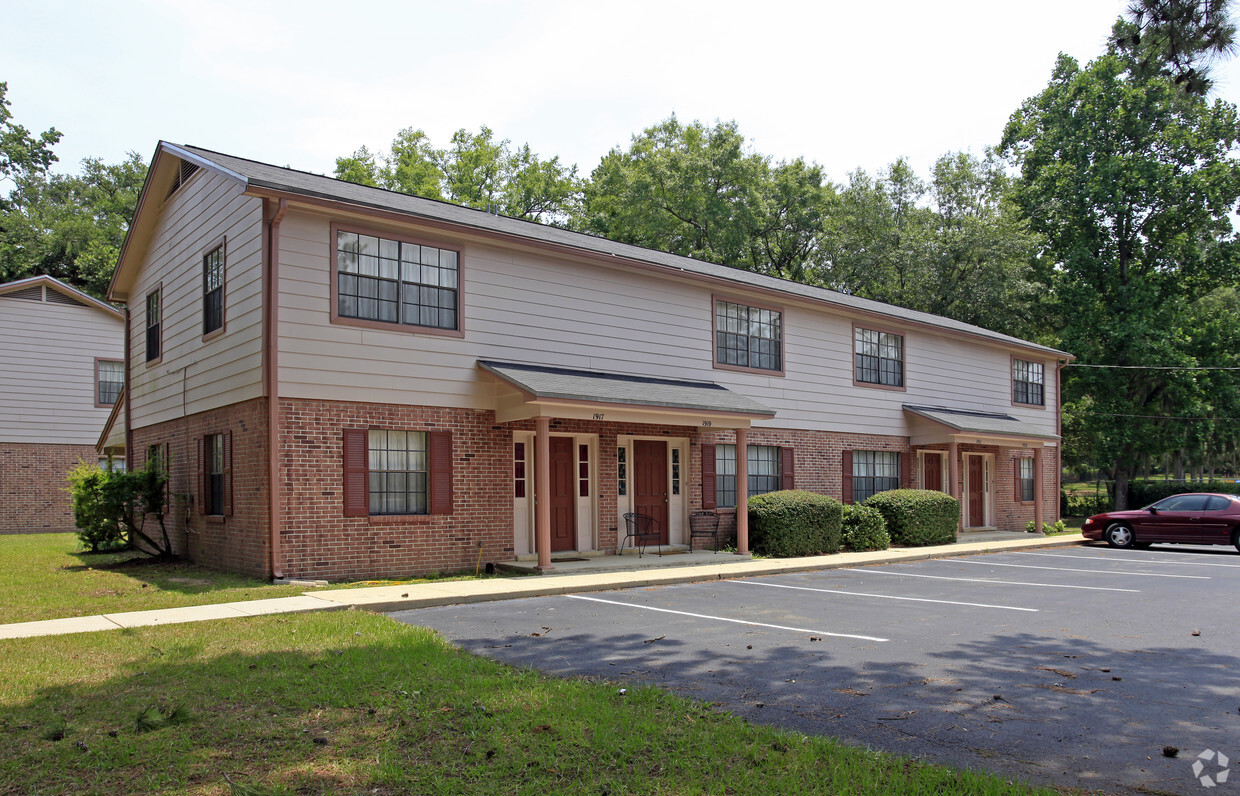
x: 56, y: 297
x: 186, y: 171
x: 34, y: 293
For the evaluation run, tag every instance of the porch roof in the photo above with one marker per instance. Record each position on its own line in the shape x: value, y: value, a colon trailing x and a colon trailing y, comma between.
x: 988, y: 427
x: 571, y: 391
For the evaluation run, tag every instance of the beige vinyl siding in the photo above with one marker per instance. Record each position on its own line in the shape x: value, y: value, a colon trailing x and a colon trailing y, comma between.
x: 47, y: 356
x: 534, y: 307
x: 192, y: 375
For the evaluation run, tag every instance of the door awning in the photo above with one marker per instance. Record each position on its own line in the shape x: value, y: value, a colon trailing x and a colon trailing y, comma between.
x: 526, y: 391
x: 934, y: 424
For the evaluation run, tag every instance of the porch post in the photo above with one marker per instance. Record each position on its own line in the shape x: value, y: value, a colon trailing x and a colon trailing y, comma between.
x: 542, y: 491
x: 1037, y: 490
x: 742, y: 492
x: 953, y: 489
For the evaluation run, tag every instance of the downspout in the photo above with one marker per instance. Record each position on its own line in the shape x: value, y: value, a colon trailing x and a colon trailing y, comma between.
x: 1059, y: 366
x: 271, y: 377
x: 128, y: 395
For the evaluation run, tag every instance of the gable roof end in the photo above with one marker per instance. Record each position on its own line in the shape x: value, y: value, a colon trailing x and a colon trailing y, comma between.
x: 52, y: 283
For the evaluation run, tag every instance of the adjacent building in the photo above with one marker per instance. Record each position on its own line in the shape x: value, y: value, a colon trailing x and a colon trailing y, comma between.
x: 349, y: 382
x: 62, y: 353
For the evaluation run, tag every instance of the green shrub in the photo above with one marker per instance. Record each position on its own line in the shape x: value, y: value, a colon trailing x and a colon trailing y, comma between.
x: 97, y: 528
x: 1047, y: 527
x: 794, y: 523
x: 110, y: 507
x: 865, y: 529
x: 1143, y: 493
x: 917, y: 517
x: 1085, y: 505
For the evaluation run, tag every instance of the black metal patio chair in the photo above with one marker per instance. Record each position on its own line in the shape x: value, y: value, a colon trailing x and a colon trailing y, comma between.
x: 704, y: 523
x: 641, y: 528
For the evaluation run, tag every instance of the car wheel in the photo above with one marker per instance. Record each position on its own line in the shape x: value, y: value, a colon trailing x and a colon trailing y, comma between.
x: 1120, y: 535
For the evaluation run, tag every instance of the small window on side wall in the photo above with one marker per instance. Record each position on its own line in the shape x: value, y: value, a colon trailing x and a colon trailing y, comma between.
x: 213, y: 290
x: 110, y: 377
x: 153, y: 317
x: 1025, y: 475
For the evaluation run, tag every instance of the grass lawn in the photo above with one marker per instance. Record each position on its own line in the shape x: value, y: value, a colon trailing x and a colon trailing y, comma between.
x: 355, y: 703
x: 55, y: 579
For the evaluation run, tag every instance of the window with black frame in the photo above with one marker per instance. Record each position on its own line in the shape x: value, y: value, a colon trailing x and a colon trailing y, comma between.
x: 213, y: 290
x: 879, y: 357
x: 152, y: 326
x: 748, y: 337
x: 1027, y: 383
x: 1026, y: 479
x: 395, y: 281
x: 214, y: 499
x: 763, y: 464
x: 874, y: 472
x: 398, y: 472
x: 110, y: 380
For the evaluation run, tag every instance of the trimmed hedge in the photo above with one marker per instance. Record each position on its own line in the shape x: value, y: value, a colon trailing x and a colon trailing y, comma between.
x: 1143, y: 493
x: 794, y: 522
x: 917, y: 517
x: 865, y: 529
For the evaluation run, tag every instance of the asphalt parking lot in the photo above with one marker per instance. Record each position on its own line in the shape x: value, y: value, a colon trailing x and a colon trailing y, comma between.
x: 1071, y: 667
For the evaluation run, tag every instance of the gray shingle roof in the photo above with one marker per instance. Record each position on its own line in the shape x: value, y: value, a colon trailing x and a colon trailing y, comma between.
x: 979, y: 422
x: 616, y: 388
x: 264, y: 175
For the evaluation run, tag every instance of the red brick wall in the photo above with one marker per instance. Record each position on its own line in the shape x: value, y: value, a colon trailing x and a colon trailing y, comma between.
x: 239, y: 542
x: 32, y: 486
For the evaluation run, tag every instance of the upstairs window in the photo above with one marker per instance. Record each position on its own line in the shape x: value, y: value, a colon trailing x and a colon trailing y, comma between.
x: 152, y: 326
x: 748, y: 337
x: 109, y: 378
x: 879, y: 357
x: 396, y: 281
x: 1027, y: 383
x: 213, y: 290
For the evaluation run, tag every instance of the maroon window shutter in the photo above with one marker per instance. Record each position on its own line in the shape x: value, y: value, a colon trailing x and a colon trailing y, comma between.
x: 709, y: 497
x: 356, y: 472
x: 228, y: 495
x: 440, y: 486
x: 202, y: 476
x: 846, y: 490
x: 1016, y: 480
x: 787, y: 469
x: 906, y: 470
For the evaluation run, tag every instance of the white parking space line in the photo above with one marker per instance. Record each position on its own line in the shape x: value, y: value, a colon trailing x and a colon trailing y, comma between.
x: 1068, y: 569
x: 725, y: 619
x: 1118, y: 556
x: 983, y: 580
x: 883, y: 596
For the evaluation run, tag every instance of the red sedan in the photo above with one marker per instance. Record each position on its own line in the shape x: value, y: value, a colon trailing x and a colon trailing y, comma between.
x: 1195, y: 518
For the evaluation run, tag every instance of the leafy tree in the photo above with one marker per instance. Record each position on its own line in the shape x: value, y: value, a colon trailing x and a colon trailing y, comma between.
x: 954, y: 245
x: 697, y: 191
x: 20, y: 152
x: 70, y: 226
x: 1177, y: 38
x: 1132, y: 182
x: 475, y: 170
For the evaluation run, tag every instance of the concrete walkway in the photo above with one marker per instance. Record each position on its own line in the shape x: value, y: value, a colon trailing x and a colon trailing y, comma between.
x: 687, y: 568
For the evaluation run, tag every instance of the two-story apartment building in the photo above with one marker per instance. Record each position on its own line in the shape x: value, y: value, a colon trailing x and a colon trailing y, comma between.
x: 350, y: 382
x: 62, y: 355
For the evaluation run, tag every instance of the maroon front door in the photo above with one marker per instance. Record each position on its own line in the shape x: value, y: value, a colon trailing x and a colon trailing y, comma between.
x: 563, y: 495
x: 650, y: 482
x: 932, y: 471
x: 977, y: 497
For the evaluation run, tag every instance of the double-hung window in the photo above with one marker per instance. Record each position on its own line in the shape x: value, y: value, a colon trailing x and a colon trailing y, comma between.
x: 1025, y: 474
x: 1028, y: 383
x: 213, y: 290
x: 763, y: 463
x: 109, y: 378
x: 879, y: 357
x: 874, y: 472
x: 213, y: 500
x: 396, y: 281
x: 398, y: 472
x: 748, y: 337
x: 152, y: 325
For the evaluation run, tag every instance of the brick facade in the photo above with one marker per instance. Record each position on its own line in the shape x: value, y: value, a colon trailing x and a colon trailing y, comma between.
x: 318, y: 541
x: 33, y: 496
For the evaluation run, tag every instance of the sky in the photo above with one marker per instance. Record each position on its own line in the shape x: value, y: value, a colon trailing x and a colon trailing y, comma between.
x: 847, y: 85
